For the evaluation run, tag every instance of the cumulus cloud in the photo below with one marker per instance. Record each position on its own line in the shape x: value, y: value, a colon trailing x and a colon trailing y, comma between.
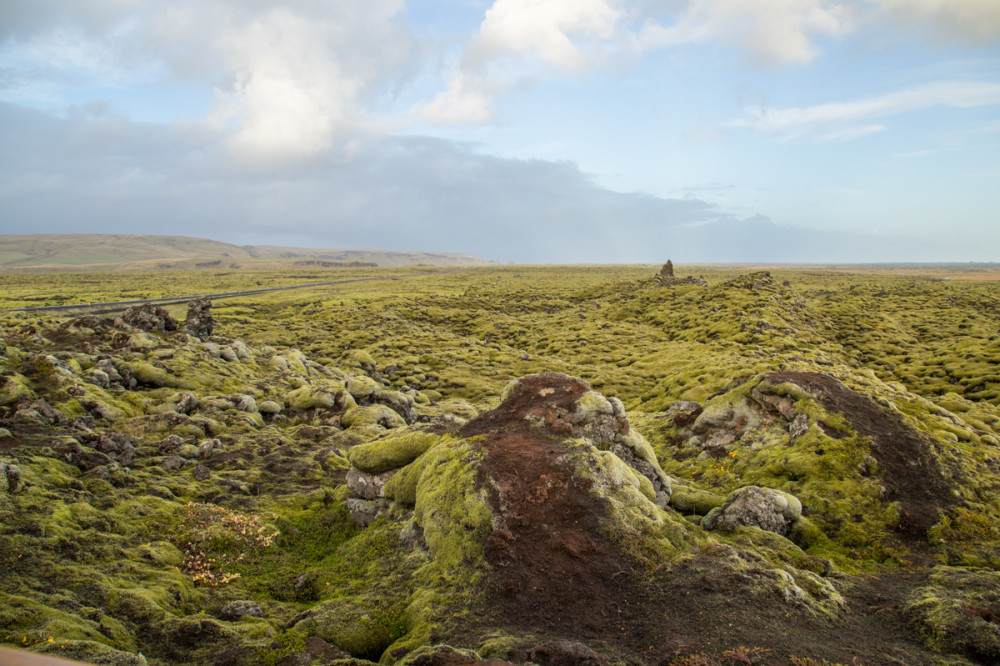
x: 960, y: 20
x: 777, y: 31
x: 851, y: 120
x: 564, y: 36
x: 291, y: 78
x: 535, y: 38
x: 561, y: 33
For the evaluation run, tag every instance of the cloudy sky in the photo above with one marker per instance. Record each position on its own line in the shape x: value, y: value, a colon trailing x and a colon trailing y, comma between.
x: 517, y: 130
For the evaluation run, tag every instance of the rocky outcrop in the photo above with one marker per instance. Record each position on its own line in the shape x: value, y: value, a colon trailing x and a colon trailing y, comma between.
x: 150, y: 318
x: 567, y: 407
x: 199, y: 321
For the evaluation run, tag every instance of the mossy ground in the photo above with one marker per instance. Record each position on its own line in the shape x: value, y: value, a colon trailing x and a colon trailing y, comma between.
x: 95, y: 549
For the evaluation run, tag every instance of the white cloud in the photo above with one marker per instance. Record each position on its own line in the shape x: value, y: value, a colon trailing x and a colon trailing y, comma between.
x: 291, y: 94
x: 850, y: 120
x: 776, y: 31
x: 566, y: 36
x: 468, y: 100
x: 962, y: 20
x: 292, y: 78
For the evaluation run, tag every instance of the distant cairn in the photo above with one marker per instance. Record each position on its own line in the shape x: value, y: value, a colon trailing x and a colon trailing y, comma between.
x: 667, y: 278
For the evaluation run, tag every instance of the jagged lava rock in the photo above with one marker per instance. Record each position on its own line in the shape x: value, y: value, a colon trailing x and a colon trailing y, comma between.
x: 199, y: 321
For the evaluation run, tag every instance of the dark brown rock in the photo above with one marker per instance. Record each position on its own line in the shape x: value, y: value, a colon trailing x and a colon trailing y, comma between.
x: 199, y: 321
x: 149, y: 318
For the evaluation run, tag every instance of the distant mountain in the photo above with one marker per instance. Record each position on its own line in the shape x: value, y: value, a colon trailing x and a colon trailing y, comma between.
x: 140, y: 252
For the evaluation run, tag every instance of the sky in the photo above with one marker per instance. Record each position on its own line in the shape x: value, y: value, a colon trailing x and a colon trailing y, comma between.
x: 526, y: 131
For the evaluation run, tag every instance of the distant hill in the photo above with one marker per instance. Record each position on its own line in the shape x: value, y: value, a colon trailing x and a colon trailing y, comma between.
x: 82, y: 252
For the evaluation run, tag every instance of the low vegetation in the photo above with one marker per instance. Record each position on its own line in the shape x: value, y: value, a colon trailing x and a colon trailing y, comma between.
x: 792, y: 466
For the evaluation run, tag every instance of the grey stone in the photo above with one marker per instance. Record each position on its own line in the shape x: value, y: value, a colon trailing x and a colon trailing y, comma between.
x: 170, y: 463
x: 234, y: 610
x: 684, y: 412
x: 768, y: 509
x: 565, y: 653
x: 150, y: 318
x: 367, y: 486
x: 210, y: 446
x: 364, y: 512
x: 798, y: 426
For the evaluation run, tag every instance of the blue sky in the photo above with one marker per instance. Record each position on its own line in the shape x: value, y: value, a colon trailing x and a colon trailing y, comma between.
x: 518, y: 130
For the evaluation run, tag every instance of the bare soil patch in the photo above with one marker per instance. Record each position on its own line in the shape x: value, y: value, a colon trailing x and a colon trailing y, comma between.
x: 556, y: 575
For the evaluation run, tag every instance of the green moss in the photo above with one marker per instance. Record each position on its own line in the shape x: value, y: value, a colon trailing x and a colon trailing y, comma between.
x: 14, y: 389
x: 967, y: 536
x: 402, y: 487
x: 358, y: 358
x: 309, y: 397
x: 362, y: 627
x: 690, y: 500
x: 148, y: 374
x: 953, y: 613
x: 451, y: 507
x: 806, y: 534
x: 26, y: 621
x: 284, y: 646
x: 362, y: 387
x: 392, y: 452
x: 90, y: 652
x: 371, y: 415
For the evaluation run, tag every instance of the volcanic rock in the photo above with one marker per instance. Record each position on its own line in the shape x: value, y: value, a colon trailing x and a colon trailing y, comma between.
x: 770, y: 510
x: 199, y: 321
x: 150, y: 318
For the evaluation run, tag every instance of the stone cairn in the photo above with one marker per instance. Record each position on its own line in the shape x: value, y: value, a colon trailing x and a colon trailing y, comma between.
x: 667, y: 278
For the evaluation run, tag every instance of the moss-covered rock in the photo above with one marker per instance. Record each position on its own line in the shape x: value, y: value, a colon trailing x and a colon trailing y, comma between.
x: 770, y: 510
x: 358, y: 626
x: 309, y: 397
x: 13, y: 389
x: 147, y: 374
x: 450, y: 507
x: 957, y: 611
x: 371, y: 415
x: 363, y: 389
x: 392, y: 452
x: 690, y: 500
